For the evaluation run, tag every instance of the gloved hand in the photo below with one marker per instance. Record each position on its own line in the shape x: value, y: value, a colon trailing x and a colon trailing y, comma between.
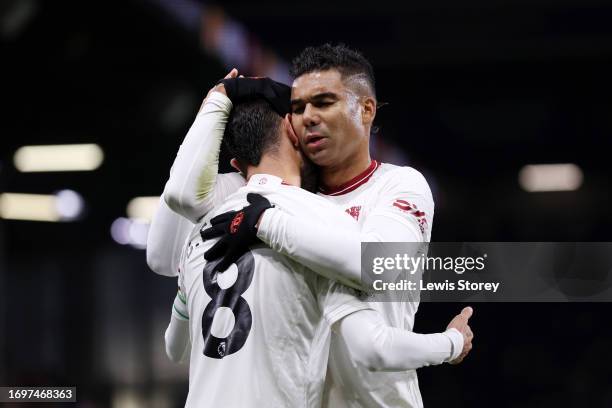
x: 240, y: 90
x: 237, y: 231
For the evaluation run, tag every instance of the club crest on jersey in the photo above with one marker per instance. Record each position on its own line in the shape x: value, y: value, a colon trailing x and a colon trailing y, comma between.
x: 412, y: 209
x: 236, y: 222
x: 354, y: 211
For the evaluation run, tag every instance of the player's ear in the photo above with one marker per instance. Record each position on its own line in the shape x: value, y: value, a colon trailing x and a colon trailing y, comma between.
x: 368, y: 112
x: 235, y: 165
x: 290, y: 132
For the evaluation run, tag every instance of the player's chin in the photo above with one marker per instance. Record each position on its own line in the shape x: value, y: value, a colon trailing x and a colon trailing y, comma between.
x: 320, y: 157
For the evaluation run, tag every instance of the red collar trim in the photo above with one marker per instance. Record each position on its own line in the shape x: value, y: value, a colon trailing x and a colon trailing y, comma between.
x: 353, y: 183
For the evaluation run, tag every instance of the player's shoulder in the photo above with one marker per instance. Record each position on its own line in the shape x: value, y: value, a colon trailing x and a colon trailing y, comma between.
x: 393, y: 170
x: 233, y: 201
x: 404, y: 177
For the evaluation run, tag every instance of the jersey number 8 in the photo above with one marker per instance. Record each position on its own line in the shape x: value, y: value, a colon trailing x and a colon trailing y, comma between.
x: 216, y: 347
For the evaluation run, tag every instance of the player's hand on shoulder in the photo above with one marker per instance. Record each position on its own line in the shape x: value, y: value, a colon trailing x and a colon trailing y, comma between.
x: 460, y: 322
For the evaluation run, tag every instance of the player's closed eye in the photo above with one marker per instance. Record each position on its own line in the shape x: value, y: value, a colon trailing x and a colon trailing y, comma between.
x: 299, y: 109
x: 322, y: 104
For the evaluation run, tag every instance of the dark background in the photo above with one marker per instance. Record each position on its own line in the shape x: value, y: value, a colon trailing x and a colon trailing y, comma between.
x: 476, y: 90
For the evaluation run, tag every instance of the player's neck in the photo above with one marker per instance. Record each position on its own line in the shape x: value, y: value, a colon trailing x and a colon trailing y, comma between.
x: 333, y: 176
x: 270, y: 164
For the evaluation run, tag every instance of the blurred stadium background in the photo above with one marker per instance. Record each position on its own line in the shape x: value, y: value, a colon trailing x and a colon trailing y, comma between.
x: 476, y: 91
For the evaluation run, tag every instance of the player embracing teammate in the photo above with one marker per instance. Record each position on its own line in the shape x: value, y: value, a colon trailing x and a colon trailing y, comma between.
x: 333, y: 105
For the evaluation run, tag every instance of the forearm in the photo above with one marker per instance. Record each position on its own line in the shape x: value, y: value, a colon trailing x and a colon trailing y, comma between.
x: 333, y: 253
x: 177, y: 333
x: 194, y: 172
x: 382, y: 348
x: 326, y: 249
x: 177, y: 339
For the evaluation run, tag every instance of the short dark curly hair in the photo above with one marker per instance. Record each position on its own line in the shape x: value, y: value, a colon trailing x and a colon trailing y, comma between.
x: 252, y: 130
x: 347, y: 61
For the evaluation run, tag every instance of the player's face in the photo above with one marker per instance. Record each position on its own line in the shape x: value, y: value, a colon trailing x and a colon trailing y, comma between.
x: 326, y: 116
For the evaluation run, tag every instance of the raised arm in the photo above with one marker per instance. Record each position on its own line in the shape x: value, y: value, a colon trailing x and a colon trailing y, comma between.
x: 195, y: 186
x: 190, y: 190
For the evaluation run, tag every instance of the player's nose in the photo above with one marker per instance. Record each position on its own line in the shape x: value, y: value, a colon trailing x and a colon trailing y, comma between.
x: 310, y: 116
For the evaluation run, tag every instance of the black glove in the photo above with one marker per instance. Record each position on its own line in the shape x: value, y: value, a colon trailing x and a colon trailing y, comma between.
x: 237, y: 231
x: 240, y: 90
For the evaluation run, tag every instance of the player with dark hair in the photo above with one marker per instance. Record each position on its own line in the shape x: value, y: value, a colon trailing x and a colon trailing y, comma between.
x: 258, y: 327
x: 351, y: 65
x: 333, y: 106
x: 244, y: 125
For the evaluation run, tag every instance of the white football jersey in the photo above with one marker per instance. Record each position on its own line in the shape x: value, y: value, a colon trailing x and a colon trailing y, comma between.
x: 257, y: 330
x: 400, y: 194
x: 382, y: 197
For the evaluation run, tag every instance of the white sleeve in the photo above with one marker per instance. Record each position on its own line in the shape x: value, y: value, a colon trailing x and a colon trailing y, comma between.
x: 336, y: 252
x: 379, y: 347
x: 337, y: 301
x: 177, y: 333
x: 195, y: 186
x: 167, y: 234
